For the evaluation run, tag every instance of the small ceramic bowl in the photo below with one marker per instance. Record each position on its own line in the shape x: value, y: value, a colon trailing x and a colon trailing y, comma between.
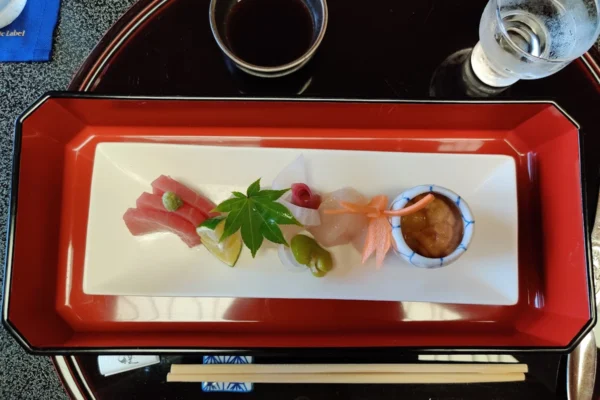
x: 10, y: 10
x: 410, y: 255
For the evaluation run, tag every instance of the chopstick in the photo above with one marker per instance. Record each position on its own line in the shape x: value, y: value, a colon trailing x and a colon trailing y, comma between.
x: 355, y: 378
x: 433, y: 368
x: 348, y: 373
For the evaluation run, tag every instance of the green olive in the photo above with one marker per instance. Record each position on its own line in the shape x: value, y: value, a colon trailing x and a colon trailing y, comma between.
x: 307, y: 252
x: 317, y: 272
x: 324, y: 262
x: 302, y: 247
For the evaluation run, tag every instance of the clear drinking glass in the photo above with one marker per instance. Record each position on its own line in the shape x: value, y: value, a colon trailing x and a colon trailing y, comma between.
x: 531, y: 39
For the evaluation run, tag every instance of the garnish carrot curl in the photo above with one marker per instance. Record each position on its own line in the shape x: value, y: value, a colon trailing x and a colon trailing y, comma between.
x: 379, y: 230
x: 353, y: 208
x: 419, y: 205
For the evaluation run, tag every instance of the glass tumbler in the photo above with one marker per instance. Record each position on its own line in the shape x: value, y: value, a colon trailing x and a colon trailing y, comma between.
x: 531, y: 39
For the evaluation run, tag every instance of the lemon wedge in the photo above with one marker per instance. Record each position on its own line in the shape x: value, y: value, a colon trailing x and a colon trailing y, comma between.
x: 228, y: 251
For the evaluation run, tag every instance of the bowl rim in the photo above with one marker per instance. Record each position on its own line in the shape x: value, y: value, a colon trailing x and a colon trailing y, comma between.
x: 412, y: 256
x: 298, y: 62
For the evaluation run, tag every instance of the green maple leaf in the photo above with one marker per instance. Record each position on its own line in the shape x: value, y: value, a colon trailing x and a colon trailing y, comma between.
x: 258, y: 215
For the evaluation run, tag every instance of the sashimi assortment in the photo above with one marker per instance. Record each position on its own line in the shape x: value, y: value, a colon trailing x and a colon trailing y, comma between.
x: 144, y: 221
x: 292, y: 214
x: 295, y: 176
x: 185, y: 211
x: 172, y: 207
x: 339, y: 229
x: 164, y: 184
x: 302, y: 196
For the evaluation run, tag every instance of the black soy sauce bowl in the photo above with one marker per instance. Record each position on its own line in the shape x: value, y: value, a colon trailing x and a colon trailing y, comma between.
x: 219, y: 13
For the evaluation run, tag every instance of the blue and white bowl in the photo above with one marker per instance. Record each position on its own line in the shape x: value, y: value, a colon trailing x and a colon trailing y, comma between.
x: 410, y: 255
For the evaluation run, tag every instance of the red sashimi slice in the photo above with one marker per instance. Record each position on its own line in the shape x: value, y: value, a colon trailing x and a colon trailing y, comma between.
x: 144, y: 221
x: 154, y: 202
x: 302, y: 196
x: 165, y: 183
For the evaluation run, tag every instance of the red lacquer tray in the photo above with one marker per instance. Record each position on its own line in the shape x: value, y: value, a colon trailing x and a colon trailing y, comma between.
x: 46, y: 309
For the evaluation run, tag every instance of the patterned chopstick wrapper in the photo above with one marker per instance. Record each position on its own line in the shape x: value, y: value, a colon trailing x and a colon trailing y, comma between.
x: 238, y: 387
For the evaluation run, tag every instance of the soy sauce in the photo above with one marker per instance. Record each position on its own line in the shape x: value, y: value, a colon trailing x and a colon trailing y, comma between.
x: 269, y: 32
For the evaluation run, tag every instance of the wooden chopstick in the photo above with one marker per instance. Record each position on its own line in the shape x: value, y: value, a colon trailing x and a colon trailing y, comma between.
x: 433, y: 368
x: 351, y: 378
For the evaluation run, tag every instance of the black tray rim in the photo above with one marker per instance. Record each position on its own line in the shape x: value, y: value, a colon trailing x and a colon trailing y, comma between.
x: 284, y: 351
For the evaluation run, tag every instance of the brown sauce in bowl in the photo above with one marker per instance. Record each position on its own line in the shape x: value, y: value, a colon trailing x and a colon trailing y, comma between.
x: 436, y: 230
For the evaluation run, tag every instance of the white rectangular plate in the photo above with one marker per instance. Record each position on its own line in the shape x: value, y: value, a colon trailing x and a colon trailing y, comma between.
x: 160, y: 264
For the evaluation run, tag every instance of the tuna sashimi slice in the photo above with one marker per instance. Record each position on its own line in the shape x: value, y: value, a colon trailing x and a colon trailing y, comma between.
x: 144, y: 221
x: 165, y: 183
x: 304, y: 197
x: 154, y: 202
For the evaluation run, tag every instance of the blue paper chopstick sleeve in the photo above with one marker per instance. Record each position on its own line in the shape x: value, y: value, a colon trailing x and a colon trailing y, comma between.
x: 29, y: 37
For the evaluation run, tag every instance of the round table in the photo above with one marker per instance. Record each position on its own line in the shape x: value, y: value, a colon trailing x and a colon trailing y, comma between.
x: 387, y: 49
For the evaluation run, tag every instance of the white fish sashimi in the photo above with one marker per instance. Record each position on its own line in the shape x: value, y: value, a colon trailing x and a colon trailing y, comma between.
x: 338, y: 229
x: 289, y: 231
x: 358, y: 241
x: 296, y: 173
x: 292, y: 173
x: 306, y: 216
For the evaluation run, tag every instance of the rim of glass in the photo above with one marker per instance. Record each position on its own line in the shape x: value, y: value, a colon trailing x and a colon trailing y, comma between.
x: 502, y: 28
x: 298, y: 62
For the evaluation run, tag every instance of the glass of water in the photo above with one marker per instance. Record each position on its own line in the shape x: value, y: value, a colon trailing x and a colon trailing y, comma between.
x: 531, y: 39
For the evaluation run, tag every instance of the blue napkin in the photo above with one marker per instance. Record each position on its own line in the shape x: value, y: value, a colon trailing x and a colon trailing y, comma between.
x: 29, y: 37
